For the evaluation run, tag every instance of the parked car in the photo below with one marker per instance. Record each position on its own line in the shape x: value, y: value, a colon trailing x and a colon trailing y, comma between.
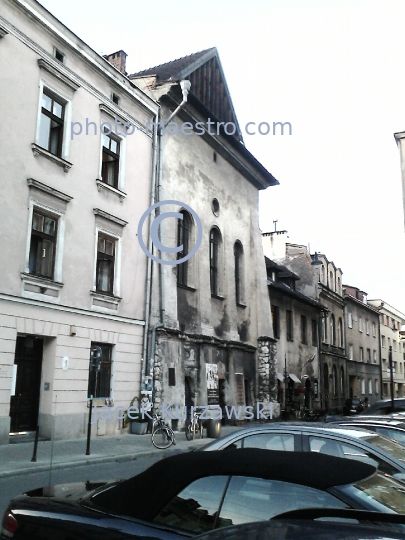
x: 352, y: 406
x: 354, y: 443
x: 189, y: 494
x: 393, y: 429
x: 304, y: 529
x: 384, y: 406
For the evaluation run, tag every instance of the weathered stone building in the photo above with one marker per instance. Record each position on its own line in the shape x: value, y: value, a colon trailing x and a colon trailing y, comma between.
x: 362, y: 345
x: 210, y: 325
x: 391, y: 320
x: 72, y: 272
x: 295, y: 319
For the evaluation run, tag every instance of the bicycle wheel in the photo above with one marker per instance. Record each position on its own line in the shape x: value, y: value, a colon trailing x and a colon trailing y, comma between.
x: 187, y: 430
x: 162, y: 438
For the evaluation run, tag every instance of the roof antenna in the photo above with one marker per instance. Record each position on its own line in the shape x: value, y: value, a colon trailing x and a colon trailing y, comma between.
x: 275, y: 224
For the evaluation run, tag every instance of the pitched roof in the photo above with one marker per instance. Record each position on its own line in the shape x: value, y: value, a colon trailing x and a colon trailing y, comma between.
x: 208, y: 84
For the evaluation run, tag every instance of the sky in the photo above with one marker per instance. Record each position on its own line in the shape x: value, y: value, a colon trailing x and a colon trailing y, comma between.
x: 334, y: 70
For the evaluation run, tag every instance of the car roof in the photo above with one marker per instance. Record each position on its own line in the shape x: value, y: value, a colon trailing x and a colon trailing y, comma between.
x: 377, y: 421
x: 146, y: 493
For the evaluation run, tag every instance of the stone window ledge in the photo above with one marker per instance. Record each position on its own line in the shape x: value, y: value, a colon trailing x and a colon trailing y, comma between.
x: 105, y: 301
x: 241, y: 305
x: 102, y: 185
x: 40, y: 288
x: 186, y: 287
x: 218, y: 297
x: 38, y: 151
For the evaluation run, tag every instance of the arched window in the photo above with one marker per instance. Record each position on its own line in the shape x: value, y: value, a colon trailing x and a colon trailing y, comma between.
x: 338, y: 285
x: 340, y: 333
x: 324, y: 328
x: 331, y: 281
x: 332, y: 330
x: 342, y: 381
x: 183, y: 239
x: 322, y: 274
x: 239, y: 272
x: 215, y: 240
x: 334, y: 380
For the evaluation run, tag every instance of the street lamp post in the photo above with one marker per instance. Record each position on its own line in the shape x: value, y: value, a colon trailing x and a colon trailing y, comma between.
x: 391, y: 376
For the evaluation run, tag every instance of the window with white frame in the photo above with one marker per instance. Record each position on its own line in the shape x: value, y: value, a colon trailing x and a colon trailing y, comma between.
x: 340, y: 333
x: 43, y: 244
x: 351, y: 357
x: 363, y: 386
x: 110, y: 160
x: 376, y: 386
x: 51, y: 124
x: 370, y: 386
x: 375, y: 357
x: 350, y: 319
x: 367, y: 327
x: 361, y: 354
x: 382, y: 341
x: 368, y: 356
x: 360, y: 324
x: 394, y: 344
x: 374, y: 329
x: 105, y: 265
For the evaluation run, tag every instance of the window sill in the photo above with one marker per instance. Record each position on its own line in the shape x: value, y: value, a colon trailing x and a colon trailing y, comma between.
x: 40, y: 288
x: 102, y: 185
x: 186, y: 287
x: 218, y: 297
x: 38, y: 151
x: 241, y: 305
x: 104, y: 301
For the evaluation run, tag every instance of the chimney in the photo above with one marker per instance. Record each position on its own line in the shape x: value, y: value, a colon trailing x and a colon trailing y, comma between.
x: 118, y: 60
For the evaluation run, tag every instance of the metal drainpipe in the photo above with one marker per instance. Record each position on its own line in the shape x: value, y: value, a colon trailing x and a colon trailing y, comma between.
x: 144, y: 382
x: 185, y: 86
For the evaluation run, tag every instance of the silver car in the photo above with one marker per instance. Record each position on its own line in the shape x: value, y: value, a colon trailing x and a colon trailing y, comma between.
x: 385, y: 454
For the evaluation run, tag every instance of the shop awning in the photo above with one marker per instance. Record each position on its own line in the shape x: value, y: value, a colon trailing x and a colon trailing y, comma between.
x: 280, y: 376
x: 294, y: 378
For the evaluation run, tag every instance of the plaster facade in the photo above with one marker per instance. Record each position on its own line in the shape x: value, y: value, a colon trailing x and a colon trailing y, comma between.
x: 52, y: 312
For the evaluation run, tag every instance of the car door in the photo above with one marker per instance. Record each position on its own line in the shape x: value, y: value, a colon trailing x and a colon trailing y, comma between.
x: 334, y: 446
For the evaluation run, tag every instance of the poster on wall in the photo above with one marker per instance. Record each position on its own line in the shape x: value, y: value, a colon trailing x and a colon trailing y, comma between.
x: 212, y: 384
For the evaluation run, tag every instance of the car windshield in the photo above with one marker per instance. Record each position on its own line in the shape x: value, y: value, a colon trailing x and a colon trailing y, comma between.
x: 381, y: 492
x: 388, y: 445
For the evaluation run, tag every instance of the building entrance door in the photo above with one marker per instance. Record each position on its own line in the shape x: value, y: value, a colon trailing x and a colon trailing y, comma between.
x: 24, y: 404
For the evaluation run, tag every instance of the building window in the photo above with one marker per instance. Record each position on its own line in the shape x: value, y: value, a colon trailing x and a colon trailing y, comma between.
x: 105, y: 264
x: 340, y: 333
x: 367, y: 327
x: 275, y: 317
x: 115, y: 98
x: 350, y: 320
x: 375, y: 357
x: 183, y: 239
x: 43, y: 245
x: 342, y: 381
x: 370, y: 386
x: 331, y: 280
x: 323, y: 328
x: 51, y: 123
x: 363, y: 386
x: 239, y: 271
x: 382, y: 341
x: 100, y: 372
x: 314, y: 333
x: 304, y: 338
x: 58, y: 55
x: 110, y: 160
x: 394, y: 343
x: 374, y: 329
x: 172, y: 376
x: 290, y: 325
x: 334, y: 381
x: 214, y: 261
x: 368, y: 356
x: 360, y: 324
x: 332, y: 330
x: 361, y: 354
x: 376, y: 386
x: 338, y: 285
x: 351, y: 357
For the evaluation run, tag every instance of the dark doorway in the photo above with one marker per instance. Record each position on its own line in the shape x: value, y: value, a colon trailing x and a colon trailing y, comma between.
x: 24, y: 404
x: 308, y: 400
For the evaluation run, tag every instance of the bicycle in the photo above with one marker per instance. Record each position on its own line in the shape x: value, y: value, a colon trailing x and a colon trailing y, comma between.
x: 162, y: 433
x: 194, y: 425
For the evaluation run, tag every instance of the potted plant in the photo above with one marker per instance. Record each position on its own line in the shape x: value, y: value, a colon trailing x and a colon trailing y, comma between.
x: 133, y: 418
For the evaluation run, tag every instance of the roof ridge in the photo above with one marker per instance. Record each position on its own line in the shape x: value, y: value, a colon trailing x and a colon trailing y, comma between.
x: 159, y: 66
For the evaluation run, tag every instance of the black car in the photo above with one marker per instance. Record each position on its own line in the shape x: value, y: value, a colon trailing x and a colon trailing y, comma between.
x: 352, y: 406
x: 189, y: 494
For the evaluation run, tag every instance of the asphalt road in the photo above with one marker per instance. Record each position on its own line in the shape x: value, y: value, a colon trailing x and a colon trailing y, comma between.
x: 12, y: 486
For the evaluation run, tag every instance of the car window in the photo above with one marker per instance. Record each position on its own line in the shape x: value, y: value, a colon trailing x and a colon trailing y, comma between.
x: 391, y: 434
x: 255, y: 499
x: 379, y: 492
x: 345, y: 450
x: 195, y: 507
x: 270, y: 441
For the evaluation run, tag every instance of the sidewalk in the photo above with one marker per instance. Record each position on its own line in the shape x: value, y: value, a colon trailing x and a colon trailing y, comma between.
x: 15, y: 459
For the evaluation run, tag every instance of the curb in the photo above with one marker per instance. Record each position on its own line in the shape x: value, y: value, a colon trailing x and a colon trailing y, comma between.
x: 36, y: 468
